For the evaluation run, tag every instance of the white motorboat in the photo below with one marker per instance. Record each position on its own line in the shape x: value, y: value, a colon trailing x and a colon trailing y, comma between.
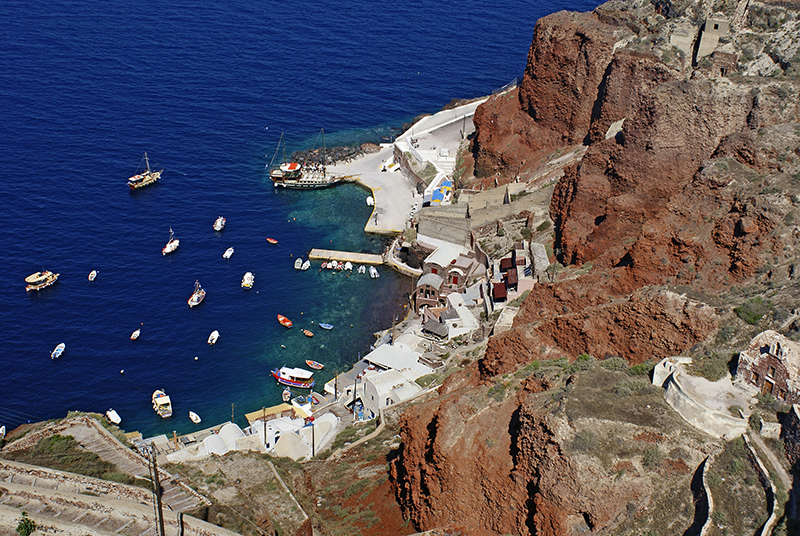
x: 92, y: 275
x: 219, y: 224
x: 362, y: 269
x: 228, y: 253
x: 298, y: 264
x: 370, y: 201
x: 306, y: 265
x: 348, y: 265
x: 57, y: 351
x: 172, y: 243
x: 40, y: 280
x: 212, y: 339
x: 113, y: 416
x: 194, y: 417
x: 135, y: 334
x: 162, y: 404
x: 248, y: 280
x: 373, y: 272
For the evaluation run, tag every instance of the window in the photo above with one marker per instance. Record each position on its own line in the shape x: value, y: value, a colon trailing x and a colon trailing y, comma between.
x: 716, y: 26
x: 771, y: 373
x: 388, y: 401
x: 455, y: 280
x: 756, y: 378
x: 434, y: 270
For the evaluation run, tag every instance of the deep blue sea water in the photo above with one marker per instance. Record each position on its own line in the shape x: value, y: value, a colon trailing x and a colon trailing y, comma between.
x: 206, y: 89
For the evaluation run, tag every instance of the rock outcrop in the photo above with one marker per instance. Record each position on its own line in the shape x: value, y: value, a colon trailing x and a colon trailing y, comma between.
x: 690, y: 180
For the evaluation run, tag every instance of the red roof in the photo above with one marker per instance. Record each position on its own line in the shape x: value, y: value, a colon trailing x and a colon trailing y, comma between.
x: 506, y: 263
x: 499, y: 291
x: 512, y: 277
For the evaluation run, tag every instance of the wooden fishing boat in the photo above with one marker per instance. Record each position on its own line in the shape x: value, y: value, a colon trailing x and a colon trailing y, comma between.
x: 306, y: 332
x: 285, y: 322
x: 40, y: 280
x: 135, y: 334
x: 286, y: 395
x: 195, y: 417
x: 298, y: 263
x: 316, y: 365
x: 294, y: 377
x: 272, y: 241
x: 162, y: 405
x: 198, y: 295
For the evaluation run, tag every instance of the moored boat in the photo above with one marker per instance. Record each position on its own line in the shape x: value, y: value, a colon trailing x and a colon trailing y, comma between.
x: 286, y: 395
x: 40, y: 280
x: 172, y: 243
x: 248, y: 280
x: 57, y: 351
x: 316, y: 365
x: 294, y: 377
x: 306, y: 265
x: 348, y: 265
x: 298, y: 263
x: 285, y: 322
x: 214, y: 337
x: 219, y: 223
x: 324, y: 325
x: 92, y: 275
x: 302, y: 176
x: 228, y: 253
x: 373, y: 272
x: 148, y: 176
x: 272, y: 241
x: 113, y: 417
x: 162, y: 405
x: 198, y: 295
x: 362, y: 269
x: 195, y: 417
x: 306, y: 332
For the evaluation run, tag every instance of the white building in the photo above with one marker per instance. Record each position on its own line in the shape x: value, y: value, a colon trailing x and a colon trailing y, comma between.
x: 385, y: 388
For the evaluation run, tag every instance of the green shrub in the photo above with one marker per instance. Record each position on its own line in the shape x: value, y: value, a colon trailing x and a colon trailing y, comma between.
x: 26, y: 525
x: 755, y: 422
x: 752, y: 310
x: 652, y: 457
x: 642, y: 369
x: 735, y: 410
x: 710, y: 368
x: 615, y: 363
x: 526, y: 233
x: 628, y: 388
x: 543, y: 226
x: 583, y: 363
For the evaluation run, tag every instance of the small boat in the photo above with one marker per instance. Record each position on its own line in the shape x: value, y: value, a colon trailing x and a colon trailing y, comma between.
x: 272, y: 241
x: 162, y: 405
x: 323, y: 266
x: 219, y: 224
x: 57, y: 351
x: 316, y: 365
x: 306, y: 332
x: 298, y: 263
x: 286, y: 395
x: 294, y: 377
x: 2, y: 431
x: 135, y: 334
x: 228, y: 253
x: 194, y: 417
x: 306, y: 265
x: 145, y: 178
x: 348, y: 265
x: 248, y: 280
x: 285, y: 322
x: 40, y: 280
x: 323, y: 325
x: 331, y: 265
x: 373, y: 272
x: 212, y: 339
x: 172, y: 243
x: 92, y: 275
x: 113, y: 417
x: 198, y: 295
x: 370, y: 201
x: 362, y: 269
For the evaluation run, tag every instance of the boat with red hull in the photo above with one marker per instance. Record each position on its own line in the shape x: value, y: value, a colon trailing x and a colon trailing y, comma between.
x: 294, y: 377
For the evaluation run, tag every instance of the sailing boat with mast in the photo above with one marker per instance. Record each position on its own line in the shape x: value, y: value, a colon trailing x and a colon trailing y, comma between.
x: 172, y: 243
x: 145, y: 178
x: 301, y: 176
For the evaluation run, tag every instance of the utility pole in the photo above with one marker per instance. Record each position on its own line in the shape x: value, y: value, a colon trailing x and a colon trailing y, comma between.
x: 157, y: 491
x: 264, y: 420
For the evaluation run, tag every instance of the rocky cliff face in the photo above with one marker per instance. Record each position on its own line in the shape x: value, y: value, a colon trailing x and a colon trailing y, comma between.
x: 691, y: 180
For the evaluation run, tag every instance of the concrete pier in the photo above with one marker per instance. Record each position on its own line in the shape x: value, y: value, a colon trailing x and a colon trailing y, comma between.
x: 344, y: 256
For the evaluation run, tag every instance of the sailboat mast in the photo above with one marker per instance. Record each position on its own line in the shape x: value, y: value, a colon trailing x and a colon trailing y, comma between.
x: 324, y: 156
x: 147, y: 162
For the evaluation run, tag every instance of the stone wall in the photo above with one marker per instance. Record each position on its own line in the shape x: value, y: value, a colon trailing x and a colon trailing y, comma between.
x: 790, y: 434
